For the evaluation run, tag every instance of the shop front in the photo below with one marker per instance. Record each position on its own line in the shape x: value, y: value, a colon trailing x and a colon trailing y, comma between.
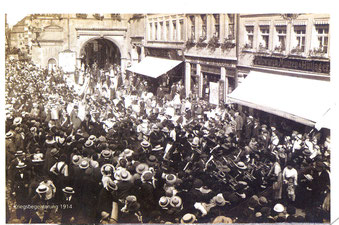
x: 209, y: 79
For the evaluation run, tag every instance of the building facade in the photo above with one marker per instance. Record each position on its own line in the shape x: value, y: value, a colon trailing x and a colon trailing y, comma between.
x: 294, y: 44
x: 57, y: 39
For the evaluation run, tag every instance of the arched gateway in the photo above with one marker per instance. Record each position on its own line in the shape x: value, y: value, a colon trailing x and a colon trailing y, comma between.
x: 100, y: 50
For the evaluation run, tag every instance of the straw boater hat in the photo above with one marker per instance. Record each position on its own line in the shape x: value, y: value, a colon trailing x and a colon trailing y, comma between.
x: 106, y: 153
x: 157, y: 148
x: 171, y: 179
x: 42, y: 188
x: 107, y: 169
x: 92, y: 138
x: 188, y: 218
x: 17, y: 121
x: 145, y: 144
x: 176, y: 202
x: 123, y: 175
x: 164, y: 201
x: 21, y: 165
x: 84, y: 164
x: 76, y: 159
x: 278, y: 208
x: 195, y: 142
x: 89, y: 143
x: 19, y: 153
x: 127, y: 153
x: 104, y: 215
x: 142, y: 167
x: 68, y: 190
x: 9, y: 134
x: 219, y: 200
x: 222, y: 219
x: 241, y: 165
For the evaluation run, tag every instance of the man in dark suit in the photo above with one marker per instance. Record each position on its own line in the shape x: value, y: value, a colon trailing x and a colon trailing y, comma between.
x: 69, y: 210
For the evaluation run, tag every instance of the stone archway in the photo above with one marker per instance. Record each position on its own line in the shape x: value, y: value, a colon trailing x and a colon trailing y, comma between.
x: 101, y: 50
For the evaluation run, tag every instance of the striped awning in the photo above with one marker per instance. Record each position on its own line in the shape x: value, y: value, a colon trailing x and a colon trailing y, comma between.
x: 303, y: 100
x: 154, y: 67
x: 321, y: 22
x: 264, y: 23
x: 280, y: 23
x: 300, y: 23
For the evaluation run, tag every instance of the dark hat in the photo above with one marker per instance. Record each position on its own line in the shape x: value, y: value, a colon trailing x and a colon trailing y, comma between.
x: 68, y: 190
x: 197, y: 183
x: 147, y: 176
x: 142, y: 167
x: 291, y: 210
x: 265, y: 211
x: 263, y: 201
x: 152, y: 160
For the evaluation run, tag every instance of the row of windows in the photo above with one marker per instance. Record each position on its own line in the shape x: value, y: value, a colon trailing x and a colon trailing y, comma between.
x: 319, y: 41
x: 169, y: 30
x: 198, y: 28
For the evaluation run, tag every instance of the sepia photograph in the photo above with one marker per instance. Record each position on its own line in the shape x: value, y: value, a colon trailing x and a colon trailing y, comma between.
x: 168, y: 118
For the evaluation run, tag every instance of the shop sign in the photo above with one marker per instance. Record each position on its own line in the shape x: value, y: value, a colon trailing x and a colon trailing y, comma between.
x: 222, y: 90
x: 296, y: 64
x: 214, y: 93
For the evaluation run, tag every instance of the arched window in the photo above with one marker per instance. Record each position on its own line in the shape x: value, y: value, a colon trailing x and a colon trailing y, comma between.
x: 52, y: 64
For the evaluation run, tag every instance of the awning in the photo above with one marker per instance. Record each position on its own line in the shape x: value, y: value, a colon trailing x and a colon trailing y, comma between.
x: 154, y: 67
x: 303, y: 100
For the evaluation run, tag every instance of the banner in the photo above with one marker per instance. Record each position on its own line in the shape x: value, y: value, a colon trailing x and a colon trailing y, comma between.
x: 67, y: 61
x: 214, y: 93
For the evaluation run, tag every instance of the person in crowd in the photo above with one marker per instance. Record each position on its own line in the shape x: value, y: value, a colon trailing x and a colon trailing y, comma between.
x: 146, y: 158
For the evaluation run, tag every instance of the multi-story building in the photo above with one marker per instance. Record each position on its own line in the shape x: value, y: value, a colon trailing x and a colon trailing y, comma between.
x: 64, y: 40
x: 205, y: 42
x: 284, y: 63
x: 210, y: 55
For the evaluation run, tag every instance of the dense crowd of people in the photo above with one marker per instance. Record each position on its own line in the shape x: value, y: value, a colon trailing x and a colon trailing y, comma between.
x: 99, y: 148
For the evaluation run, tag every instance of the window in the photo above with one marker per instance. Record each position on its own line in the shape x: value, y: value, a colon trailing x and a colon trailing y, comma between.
x: 150, y: 33
x: 204, y: 26
x: 322, y: 35
x: 216, y: 18
x: 168, y: 31
x: 156, y: 31
x: 281, y: 38
x: 300, y: 35
x: 182, y: 30
x: 230, y: 25
x: 174, y: 37
x: 192, y: 21
x: 265, y: 37
x: 249, y: 37
x: 162, y: 31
